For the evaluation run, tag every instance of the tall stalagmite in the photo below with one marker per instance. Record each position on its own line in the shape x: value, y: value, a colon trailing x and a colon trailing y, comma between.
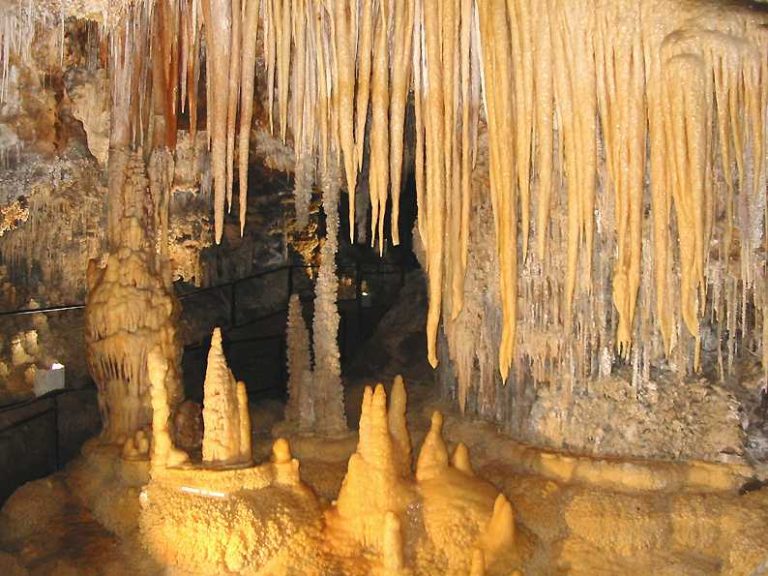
x: 227, y: 437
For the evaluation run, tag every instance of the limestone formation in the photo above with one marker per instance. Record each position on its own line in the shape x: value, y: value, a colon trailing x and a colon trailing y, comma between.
x: 164, y: 453
x: 129, y: 311
x: 227, y: 426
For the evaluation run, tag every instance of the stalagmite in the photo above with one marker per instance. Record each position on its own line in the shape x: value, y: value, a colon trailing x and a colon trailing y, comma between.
x: 500, y: 532
x: 163, y: 451
x: 245, y: 423
x: 329, y: 391
x: 460, y: 459
x: 227, y: 435
x: 477, y: 568
x: 433, y: 458
x: 393, y: 544
x: 373, y: 487
x: 398, y: 428
x: 130, y: 311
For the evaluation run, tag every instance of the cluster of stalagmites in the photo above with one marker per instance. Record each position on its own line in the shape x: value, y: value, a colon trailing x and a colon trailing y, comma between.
x: 445, y: 509
x: 226, y: 439
x: 379, y: 492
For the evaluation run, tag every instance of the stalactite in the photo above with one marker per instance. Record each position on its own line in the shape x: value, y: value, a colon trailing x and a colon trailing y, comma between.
x: 251, y: 21
x: 378, y: 177
x: 368, y: 18
x: 497, y: 78
x: 435, y: 177
x: 218, y: 25
x: 400, y: 75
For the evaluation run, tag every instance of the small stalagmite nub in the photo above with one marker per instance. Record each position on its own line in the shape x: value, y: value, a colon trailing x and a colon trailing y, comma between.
x: 281, y: 451
x: 460, y: 459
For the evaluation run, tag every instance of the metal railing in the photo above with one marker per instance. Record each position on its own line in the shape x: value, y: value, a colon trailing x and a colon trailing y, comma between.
x: 231, y: 287
x: 42, y: 464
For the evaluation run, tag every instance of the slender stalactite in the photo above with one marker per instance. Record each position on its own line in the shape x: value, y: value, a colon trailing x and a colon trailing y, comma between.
x: 233, y: 93
x: 218, y: 44
x: 364, y: 64
x: 400, y: 77
x: 378, y: 181
x: 250, y: 29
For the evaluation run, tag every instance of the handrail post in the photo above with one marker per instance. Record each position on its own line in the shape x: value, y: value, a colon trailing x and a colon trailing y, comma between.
x: 359, y: 298
x: 290, y: 281
x: 232, y: 305
x: 56, y: 449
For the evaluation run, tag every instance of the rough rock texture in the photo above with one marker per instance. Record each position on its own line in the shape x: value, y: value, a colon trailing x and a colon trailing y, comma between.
x: 666, y: 419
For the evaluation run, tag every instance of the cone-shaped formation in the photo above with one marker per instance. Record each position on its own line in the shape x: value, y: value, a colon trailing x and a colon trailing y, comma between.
x: 460, y: 459
x: 500, y: 532
x: 163, y: 451
x: 227, y: 427
x: 433, y: 458
x: 378, y: 504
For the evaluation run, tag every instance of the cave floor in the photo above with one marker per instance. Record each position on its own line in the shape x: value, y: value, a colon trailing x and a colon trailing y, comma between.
x: 572, y: 515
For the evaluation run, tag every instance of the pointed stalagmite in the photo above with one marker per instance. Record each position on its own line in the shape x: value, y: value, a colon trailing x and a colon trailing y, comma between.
x: 245, y: 423
x: 299, y: 409
x: 499, y: 535
x: 433, y: 458
x: 223, y: 405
